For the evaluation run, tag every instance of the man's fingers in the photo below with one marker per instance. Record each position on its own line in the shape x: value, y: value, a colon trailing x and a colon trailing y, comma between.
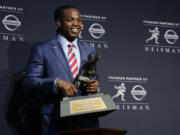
x: 68, y: 88
x: 75, y: 90
x: 92, y: 81
x: 92, y: 89
x: 92, y: 86
x: 70, y: 92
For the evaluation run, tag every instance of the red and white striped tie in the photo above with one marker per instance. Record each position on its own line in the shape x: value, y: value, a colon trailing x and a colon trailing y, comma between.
x: 72, y: 62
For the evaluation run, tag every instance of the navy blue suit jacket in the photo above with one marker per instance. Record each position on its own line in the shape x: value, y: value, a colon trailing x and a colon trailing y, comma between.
x: 46, y: 63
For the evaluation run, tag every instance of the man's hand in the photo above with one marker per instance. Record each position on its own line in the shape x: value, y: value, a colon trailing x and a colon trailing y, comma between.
x: 67, y: 87
x: 92, y: 86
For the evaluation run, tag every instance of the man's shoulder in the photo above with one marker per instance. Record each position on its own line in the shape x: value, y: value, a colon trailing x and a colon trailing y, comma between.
x: 84, y: 43
x: 46, y: 43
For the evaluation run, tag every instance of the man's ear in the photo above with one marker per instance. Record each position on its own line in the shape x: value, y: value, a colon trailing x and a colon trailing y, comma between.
x: 58, y: 22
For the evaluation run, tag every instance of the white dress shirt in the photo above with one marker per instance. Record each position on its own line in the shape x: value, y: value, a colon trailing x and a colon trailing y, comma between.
x: 64, y: 42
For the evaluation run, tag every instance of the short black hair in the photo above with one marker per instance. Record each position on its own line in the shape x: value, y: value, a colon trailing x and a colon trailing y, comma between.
x: 58, y: 14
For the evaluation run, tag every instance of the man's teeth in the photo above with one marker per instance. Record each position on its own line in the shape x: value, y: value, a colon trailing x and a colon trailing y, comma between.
x: 75, y: 30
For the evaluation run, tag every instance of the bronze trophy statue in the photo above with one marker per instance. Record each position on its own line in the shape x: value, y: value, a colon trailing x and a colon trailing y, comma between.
x: 98, y: 104
x: 88, y: 71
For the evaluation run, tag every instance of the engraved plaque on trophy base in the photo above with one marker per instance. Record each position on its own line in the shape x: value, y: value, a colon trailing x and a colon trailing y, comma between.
x: 91, y: 105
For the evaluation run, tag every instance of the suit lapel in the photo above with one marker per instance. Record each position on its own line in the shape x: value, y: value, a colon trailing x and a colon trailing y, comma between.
x: 83, y: 54
x: 59, y: 52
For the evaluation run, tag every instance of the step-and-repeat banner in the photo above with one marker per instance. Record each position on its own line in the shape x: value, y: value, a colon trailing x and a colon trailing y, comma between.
x: 139, y: 66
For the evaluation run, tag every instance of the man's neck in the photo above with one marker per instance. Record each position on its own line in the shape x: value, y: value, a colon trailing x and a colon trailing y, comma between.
x: 68, y: 39
x: 65, y: 41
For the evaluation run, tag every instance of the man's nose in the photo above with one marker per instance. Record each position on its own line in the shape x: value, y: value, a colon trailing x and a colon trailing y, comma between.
x: 75, y: 22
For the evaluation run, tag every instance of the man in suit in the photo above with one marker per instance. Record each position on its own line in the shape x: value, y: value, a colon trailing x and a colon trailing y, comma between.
x: 52, y: 68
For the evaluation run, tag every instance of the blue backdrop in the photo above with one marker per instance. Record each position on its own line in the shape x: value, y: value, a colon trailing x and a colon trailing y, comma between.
x: 139, y: 42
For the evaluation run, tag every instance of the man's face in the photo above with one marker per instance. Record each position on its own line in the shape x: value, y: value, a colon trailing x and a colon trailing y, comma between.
x: 71, y: 23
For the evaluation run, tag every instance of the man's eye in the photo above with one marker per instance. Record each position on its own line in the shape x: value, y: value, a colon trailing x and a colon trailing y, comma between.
x: 69, y: 19
x: 79, y: 20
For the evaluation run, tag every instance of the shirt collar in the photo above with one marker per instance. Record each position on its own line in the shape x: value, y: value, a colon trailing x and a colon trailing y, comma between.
x: 64, y: 42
